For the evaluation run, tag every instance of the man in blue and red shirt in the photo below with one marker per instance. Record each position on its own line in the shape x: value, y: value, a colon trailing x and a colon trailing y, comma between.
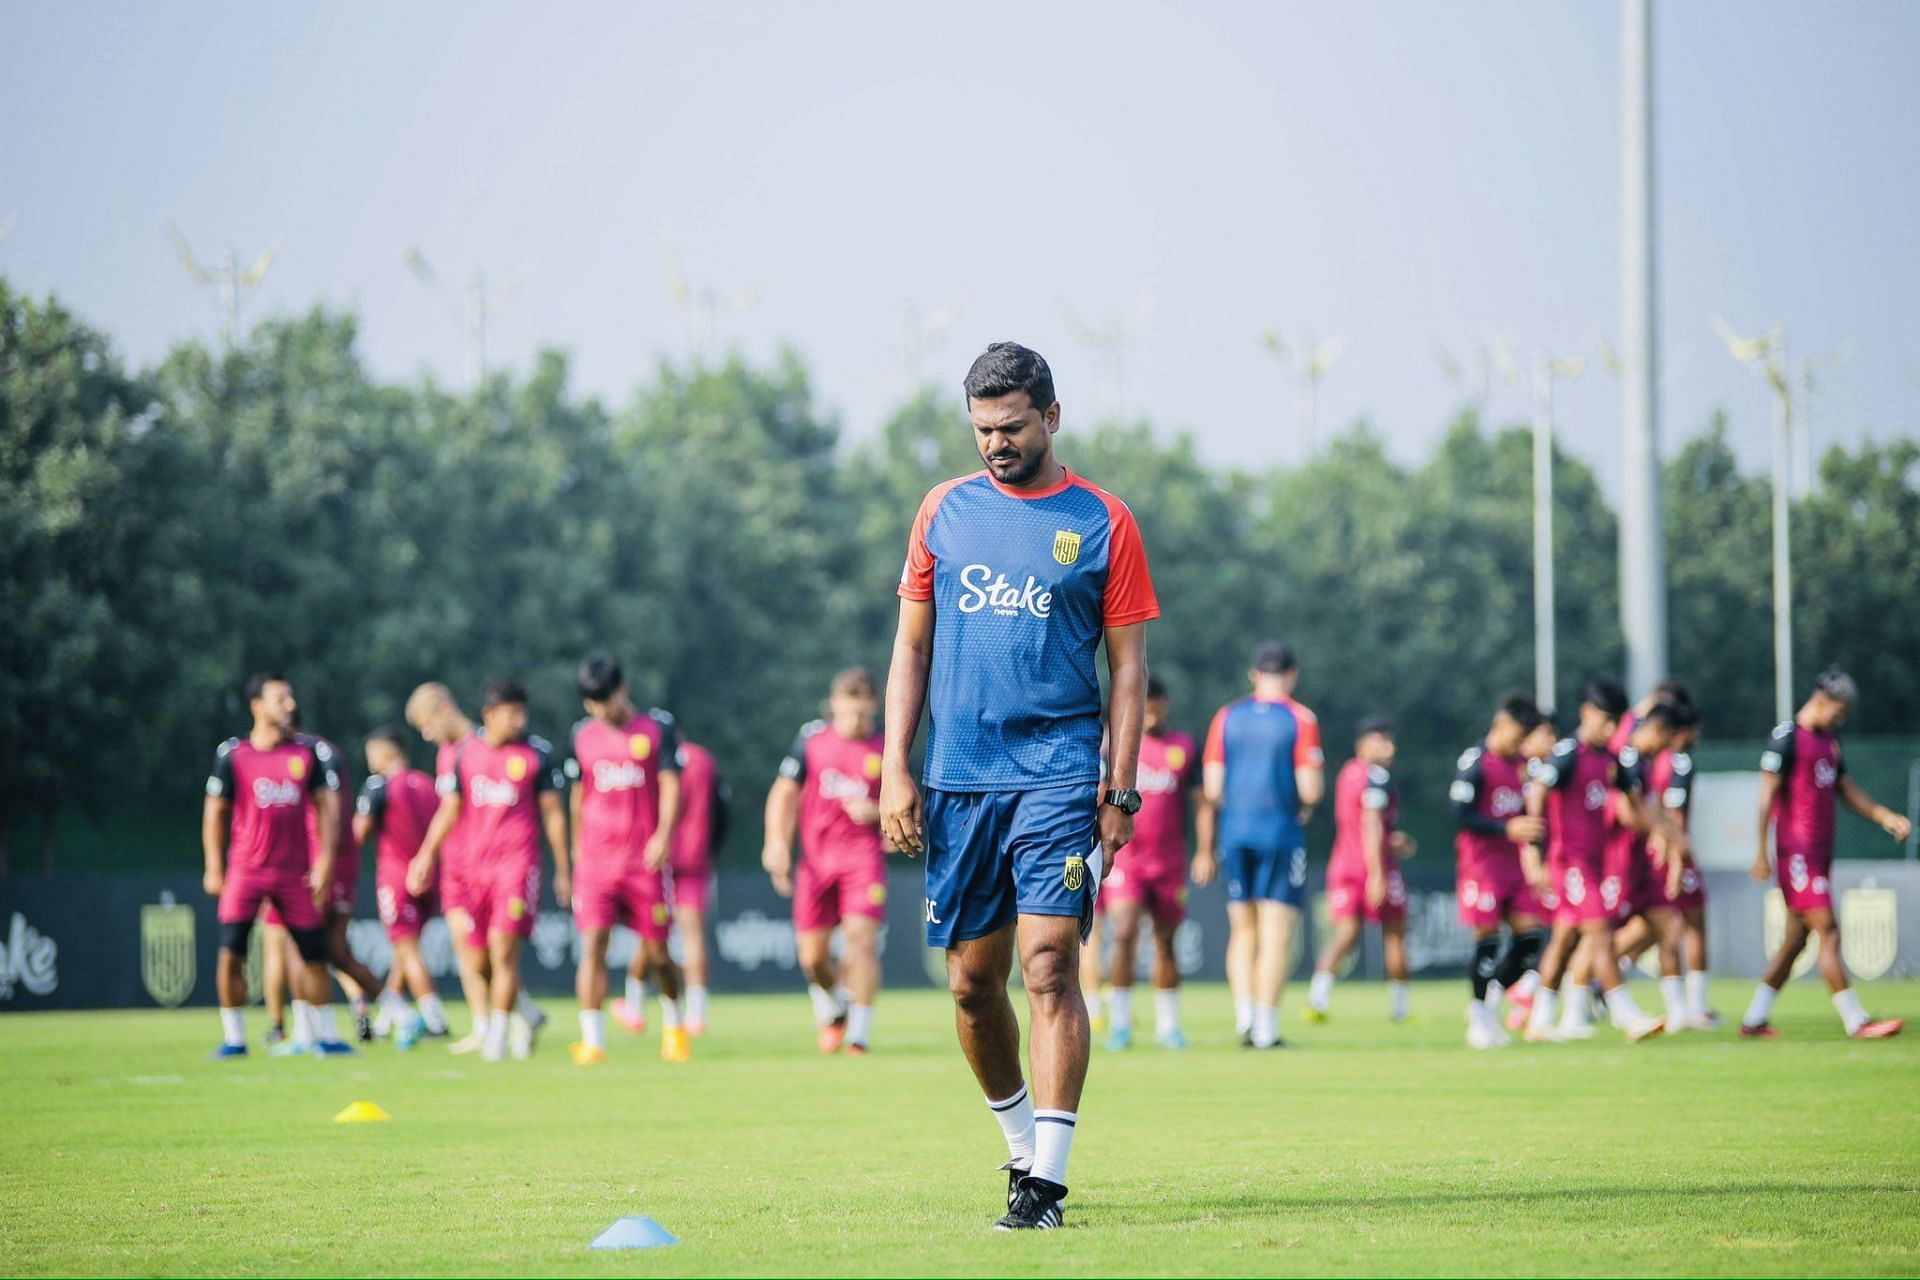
x: 1802, y: 774
x: 1014, y: 576
x: 1264, y: 772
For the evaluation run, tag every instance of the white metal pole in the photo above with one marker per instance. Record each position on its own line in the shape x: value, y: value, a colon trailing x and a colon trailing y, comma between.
x: 1782, y: 567
x: 1543, y: 638
x: 476, y: 318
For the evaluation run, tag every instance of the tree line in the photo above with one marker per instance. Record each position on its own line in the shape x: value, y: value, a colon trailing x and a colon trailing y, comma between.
x: 169, y: 529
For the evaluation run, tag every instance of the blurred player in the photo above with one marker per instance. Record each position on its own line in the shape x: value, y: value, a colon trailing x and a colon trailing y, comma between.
x: 435, y: 716
x: 1264, y: 773
x: 625, y: 769
x: 1015, y: 575
x: 1801, y: 774
x: 253, y: 832
x: 1574, y: 789
x: 1489, y: 808
x: 1363, y: 876
x: 1149, y: 876
x: 829, y: 785
x: 508, y: 786
x: 395, y: 808
x: 696, y: 838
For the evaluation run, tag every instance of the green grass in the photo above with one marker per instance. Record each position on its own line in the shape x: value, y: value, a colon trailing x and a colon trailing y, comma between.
x: 1367, y: 1149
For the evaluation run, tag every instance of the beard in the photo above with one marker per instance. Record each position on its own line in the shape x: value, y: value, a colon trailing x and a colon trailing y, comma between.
x: 1016, y: 470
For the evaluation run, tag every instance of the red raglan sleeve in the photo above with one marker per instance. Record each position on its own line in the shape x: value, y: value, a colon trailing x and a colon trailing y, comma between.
x: 1129, y: 597
x: 1306, y: 743
x: 1216, y: 748
x: 916, y: 579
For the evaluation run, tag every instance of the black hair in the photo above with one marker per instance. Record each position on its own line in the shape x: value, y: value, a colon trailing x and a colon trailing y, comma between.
x: 1274, y: 659
x: 1372, y: 725
x: 498, y: 693
x: 388, y: 734
x: 1669, y: 715
x: 1607, y: 695
x: 599, y: 676
x: 1006, y: 367
x: 1522, y: 709
x: 1836, y: 683
x: 1673, y: 691
x: 257, y: 683
x: 1156, y: 687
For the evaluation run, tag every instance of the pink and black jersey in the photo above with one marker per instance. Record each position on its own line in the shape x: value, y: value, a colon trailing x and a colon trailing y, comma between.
x: 832, y: 770
x: 1024, y: 585
x: 453, y: 849
x: 1579, y: 781
x: 400, y: 809
x: 699, y: 828
x: 1670, y: 781
x: 346, y: 851
x: 499, y: 788
x: 1169, y: 771
x: 618, y: 768
x: 1810, y: 768
x: 268, y: 791
x: 1361, y: 788
x: 1488, y: 790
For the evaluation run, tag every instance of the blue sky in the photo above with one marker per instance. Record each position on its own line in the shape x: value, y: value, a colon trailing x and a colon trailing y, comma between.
x: 1403, y: 175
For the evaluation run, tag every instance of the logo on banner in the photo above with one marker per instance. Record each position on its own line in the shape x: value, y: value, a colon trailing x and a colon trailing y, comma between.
x: 166, y: 951
x: 28, y: 959
x: 1870, y: 932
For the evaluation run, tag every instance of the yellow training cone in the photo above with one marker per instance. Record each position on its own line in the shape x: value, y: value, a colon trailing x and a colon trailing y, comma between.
x: 360, y: 1113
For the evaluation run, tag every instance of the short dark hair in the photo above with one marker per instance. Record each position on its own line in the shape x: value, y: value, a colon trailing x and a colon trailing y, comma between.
x: 1521, y: 708
x: 1156, y: 687
x: 498, y: 693
x: 1672, y: 691
x: 1670, y: 715
x: 1372, y: 725
x: 1606, y: 694
x: 257, y: 683
x: 1274, y: 659
x: 388, y: 734
x: 599, y: 676
x: 1837, y: 684
x: 1006, y: 367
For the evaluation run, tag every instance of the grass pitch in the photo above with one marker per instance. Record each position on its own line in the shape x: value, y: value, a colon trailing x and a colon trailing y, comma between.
x: 1366, y: 1149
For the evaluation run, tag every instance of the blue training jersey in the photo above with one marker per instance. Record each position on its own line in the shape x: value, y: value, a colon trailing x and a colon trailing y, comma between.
x: 1024, y: 585
x: 1261, y: 743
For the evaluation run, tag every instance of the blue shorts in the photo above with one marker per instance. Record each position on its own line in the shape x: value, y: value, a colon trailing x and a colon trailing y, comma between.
x: 995, y: 855
x: 1265, y: 875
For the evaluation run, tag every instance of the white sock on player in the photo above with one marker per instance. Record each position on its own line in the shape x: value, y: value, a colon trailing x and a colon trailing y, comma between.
x: 1052, y: 1142
x: 1622, y: 1007
x: 1697, y: 992
x: 433, y: 1013
x: 697, y: 1006
x: 593, y: 1028
x: 1166, y: 1011
x: 1673, y: 994
x: 1320, y: 991
x: 1495, y: 993
x: 326, y: 1029
x: 394, y: 1005
x: 1015, y: 1115
x: 302, y: 1023
x: 859, y: 1024
x: 1852, y: 1016
x: 1242, y: 1015
x: 1266, y: 1025
x: 524, y: 1006
x: 669, y: 1014
x: 1120, y: 1008
x: 496, y: 1045
x: 1397, y: 992
x: 1546, y: 1002
x: 1761, y: 1007
x: 1579, y: 1007
x: 233, y: 1027
x: 636, y: 992
x: 1528, y: 985
x: 826, y: 1007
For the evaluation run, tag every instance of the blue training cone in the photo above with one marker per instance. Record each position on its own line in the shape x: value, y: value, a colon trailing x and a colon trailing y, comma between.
x: 634, y: 1233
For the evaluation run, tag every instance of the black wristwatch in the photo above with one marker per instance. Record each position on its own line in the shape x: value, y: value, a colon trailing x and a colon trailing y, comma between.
x: 1126, y: 800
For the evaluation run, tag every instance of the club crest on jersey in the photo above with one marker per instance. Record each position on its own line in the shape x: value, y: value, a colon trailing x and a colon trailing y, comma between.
x: 640, y: 745
x: 871, y: 765
x: 1176, y: 758
x: 516, y: 768
x: 167, y: 951
x: 1066, y: 546
x: 1076, y: 873
x: 296, y: 767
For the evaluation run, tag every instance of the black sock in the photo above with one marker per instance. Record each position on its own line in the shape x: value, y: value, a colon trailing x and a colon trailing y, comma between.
x: 1486, y: 952
x: 1524, y: 955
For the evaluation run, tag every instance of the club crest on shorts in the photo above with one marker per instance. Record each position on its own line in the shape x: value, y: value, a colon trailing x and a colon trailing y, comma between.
x: 166, y: 951
x: 1870, y: 930
x: 1066, y: 546
x: 1075, y: 874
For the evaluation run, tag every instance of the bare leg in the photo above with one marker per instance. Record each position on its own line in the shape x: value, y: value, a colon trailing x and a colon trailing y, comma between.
x: 356, y: 979
x: 816, y: 958
x: 1346, y: 936
x: 1832, y: 968
x: 860, y: 958
x: 1049, y: 965
x: 1243, y: 941
x: 1271, y: 957
x: 1166, y: 969
x: 659, y: 962
x: 1780, y: 968
x: 590, y: 979
x: 503, y: 952
x: 275, y: 946
x: 1393, y: 935
x: 1124, y: 919
x: 693, y: 946
x: 410, y: 974
x: 977, y: 972
x: 230, y: 978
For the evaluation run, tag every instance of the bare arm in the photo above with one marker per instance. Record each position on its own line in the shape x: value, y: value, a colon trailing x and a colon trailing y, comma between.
x: 1126, y: 714
x: 902, y: 820
x: 1532, y: 865
x: 1856, y: 799
x: 553, y: 817
x: 420, y: 870
x: 660, y: 845
x: 1311, y: 782
x: 1206, y: 823
x: 214, y: 812
x: 1769, y: 789
x: 783, y: 812
x: 326, y: 825
x: 362, y: 828
x: 1373, y: 840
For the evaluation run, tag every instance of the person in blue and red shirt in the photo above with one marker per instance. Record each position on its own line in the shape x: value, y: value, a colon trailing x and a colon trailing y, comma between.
x: 1264, y: 772
x: 1802, y: 774
x: 1014, y: 576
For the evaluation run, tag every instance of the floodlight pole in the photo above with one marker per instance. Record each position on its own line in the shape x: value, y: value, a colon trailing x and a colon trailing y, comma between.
x: 1543, y: 636
x: 1782, y: 548
x: 476, y: 327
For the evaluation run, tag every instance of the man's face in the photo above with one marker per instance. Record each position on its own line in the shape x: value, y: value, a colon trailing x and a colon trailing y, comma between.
x: 1014, y: 438
x: 1596, y: 724
x: 275, y: 706
x: 381, y: 756
x: 1829, y: 712
x: 853, y: 710
x: 1504, y: 735
x: 1538, y: 744
x: 1376, y: 748
x: 505, y: 721
x: 1650, y: 739
x: 1157, y: 714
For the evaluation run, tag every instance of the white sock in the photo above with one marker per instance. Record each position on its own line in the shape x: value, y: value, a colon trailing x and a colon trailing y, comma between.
x: 1851, y: 1014
x: 524, y: 1006
x: 842, y: 996
x: 433, y: 1013
x: 326, y: 1028
x: 1762, y: 1007
x: 393, y: 1005
x: 1579, y: 1008
x: 697, y: 1006
x: 1166, y: 1011
x: 1528, y: 985
x: 826, y: 1007
x: 1622, y: 1007
x: 1545, y: 1003
x: 1052, y: 1141
x: 1120, y: 1008
x: 593, y: 1028
x: 1097, y: 1004
x: 1495, y: 992
x: 233, y: 1027
x: 302, y: 1022
x: 1015, y: 1115
x: 636, y: 992
x: 1398, y: 992
x: 1242, y: 1015
x: 1673, y: 994
x: 859, y: 1023
x: 669, y: 1014
x: 1320, y: 991
x: 496, y: 1033
x: 1266, y: 1025
x: 1697, y: 992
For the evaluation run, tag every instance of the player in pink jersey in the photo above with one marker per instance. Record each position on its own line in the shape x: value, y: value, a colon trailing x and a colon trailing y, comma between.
x: 625, y: 770
x: 507, y: 786
x: 1574, y: 790
x: 829, y: 786
x: 1364, y: 885
x: 254, y: 835
x: 1677, y: 882
x: 1802, y: 774
x: 393, y: 812
x: 702, y: 827
x: 1149, y: 875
